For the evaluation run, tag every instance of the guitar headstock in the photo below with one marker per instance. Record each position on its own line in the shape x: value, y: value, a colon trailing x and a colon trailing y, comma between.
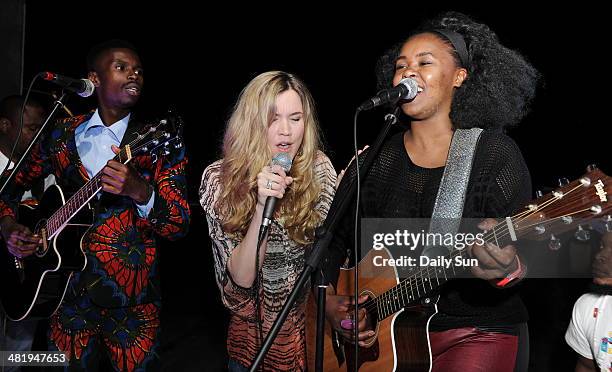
x: 155, y: 138
x: 584, y: 200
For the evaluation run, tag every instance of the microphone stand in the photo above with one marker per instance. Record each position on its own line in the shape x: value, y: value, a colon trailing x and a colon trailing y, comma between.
x: 323, y: 237
x: 56, y: 106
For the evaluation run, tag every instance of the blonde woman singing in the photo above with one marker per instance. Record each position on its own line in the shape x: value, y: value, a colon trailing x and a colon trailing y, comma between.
x: 274, y: 113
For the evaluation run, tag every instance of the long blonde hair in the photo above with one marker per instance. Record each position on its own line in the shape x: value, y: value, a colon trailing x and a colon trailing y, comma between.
x: 246, y: 152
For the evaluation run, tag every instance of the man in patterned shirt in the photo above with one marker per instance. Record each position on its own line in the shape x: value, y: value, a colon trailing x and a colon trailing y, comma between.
x: 111, y: 309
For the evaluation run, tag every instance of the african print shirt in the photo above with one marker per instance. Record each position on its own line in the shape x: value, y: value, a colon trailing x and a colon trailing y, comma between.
x: 120, y: 246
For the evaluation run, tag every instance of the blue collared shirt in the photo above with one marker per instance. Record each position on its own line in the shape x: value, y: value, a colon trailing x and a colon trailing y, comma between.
x: 94, y: 140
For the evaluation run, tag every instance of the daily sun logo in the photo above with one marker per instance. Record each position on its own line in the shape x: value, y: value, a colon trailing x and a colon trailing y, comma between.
x: 599, y: 186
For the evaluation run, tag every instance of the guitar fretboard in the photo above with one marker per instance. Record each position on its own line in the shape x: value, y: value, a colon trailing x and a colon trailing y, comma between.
x: 77, y: 201
x: 412, y: 289
x: 428, y: 279
x: 61, y: 217
x: 149, y: 140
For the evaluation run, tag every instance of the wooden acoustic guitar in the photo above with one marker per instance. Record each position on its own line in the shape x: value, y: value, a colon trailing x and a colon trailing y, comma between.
x: 402, y: 343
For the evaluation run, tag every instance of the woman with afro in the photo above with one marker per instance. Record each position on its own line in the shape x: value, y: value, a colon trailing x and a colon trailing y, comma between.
x: 466, y: 79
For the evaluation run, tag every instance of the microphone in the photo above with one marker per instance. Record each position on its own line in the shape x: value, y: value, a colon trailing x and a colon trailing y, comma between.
x: 406, y: 89
x: 82, y: 87
x: 284, y: 160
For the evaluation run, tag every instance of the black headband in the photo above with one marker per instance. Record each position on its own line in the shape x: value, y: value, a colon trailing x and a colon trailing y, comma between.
x: 458, y: 43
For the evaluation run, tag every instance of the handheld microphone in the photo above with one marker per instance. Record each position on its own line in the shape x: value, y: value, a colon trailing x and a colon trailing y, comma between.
x: 284, y: 160
x: 82, y: 87
x: 406, y: 89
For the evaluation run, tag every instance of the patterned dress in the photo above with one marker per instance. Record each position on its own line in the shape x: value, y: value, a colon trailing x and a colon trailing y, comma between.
x: 283, y: 262
x: 112, y: 305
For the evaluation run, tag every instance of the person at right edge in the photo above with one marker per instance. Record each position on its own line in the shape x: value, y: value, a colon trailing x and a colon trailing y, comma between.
x: 466, y: 79
x: 589, y: 332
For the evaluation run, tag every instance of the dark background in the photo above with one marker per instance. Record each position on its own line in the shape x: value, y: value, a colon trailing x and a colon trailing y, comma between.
x: 199, y: 59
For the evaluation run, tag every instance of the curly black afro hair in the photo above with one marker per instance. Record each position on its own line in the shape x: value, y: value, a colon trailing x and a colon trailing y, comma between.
x: 500, y: 85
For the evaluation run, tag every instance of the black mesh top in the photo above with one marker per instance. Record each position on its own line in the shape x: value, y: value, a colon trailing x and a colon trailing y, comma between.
x: 396, y: 188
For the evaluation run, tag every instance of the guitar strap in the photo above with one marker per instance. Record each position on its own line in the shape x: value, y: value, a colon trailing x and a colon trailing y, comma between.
x: 448, y: 208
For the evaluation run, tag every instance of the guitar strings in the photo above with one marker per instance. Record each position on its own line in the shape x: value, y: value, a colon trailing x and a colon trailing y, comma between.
x: 391, y: 296
x: 63, y: 213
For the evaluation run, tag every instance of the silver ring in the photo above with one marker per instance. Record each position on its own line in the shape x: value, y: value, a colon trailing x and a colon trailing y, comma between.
x: 269, y: 185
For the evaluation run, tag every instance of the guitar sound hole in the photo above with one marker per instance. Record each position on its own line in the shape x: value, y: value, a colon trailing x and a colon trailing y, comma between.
x: 372, y: 318
x: 42, y: 249
x: 373, y: 324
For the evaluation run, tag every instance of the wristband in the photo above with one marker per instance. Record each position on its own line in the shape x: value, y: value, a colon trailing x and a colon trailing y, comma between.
x: 512, y: 276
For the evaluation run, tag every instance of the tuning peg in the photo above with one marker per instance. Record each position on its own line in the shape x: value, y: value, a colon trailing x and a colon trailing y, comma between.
x: 582, y: 234
x: 563, y: 181
x: 166, y: 135
x: 608, y: 223
x: 539, y: 194
x: 155, y: 142
x: 567, y: 219
x: 178, y: 145
x: 554, y: 244
x: 145, y: 149
x: 540, y: 229
x: 591, y: 167
x: 166, y: 152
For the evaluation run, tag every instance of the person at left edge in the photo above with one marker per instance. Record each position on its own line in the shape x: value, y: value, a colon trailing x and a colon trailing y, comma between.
x: 111, y: 309
x: 19, y: 336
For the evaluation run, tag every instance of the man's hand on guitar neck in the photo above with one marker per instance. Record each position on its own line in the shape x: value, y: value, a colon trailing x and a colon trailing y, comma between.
x: 20, y: 241
x: 494, y: 263
x: 339, y: 311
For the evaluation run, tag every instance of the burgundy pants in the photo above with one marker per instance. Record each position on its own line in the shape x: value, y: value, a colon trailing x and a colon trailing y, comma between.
x: 480, y: 350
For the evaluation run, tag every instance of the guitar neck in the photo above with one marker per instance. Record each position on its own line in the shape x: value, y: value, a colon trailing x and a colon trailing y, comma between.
x: 73, y: 205
x: 583, y: 199
x: 415, y: 287
x: 430, y: 277
x: 76, y: 202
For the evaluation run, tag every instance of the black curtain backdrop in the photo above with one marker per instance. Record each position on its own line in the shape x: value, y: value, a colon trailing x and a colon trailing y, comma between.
x: 12, y: 18
x: 199, y: 58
